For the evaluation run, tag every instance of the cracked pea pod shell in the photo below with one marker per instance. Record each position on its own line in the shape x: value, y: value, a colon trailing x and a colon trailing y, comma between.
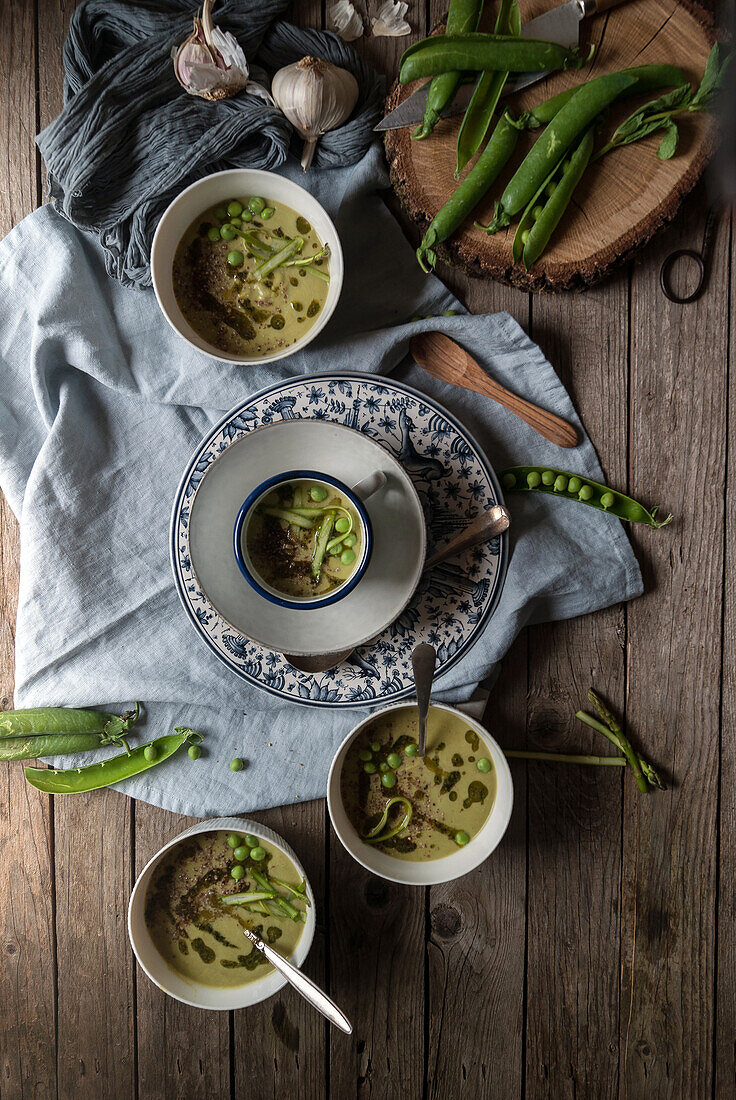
x: 104, y: 772
x: 514, y: 480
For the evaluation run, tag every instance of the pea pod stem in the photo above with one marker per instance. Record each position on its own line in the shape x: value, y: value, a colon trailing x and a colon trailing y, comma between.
x: 481, y: 52
x: 462, y: 16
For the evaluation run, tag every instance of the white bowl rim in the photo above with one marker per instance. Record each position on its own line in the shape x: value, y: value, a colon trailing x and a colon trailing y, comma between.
x: 433, y: 873
x: 271, y: 983
x: 337, y: 270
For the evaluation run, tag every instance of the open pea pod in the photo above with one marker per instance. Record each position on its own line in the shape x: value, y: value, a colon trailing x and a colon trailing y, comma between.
x: 114, y: 770
x: 548, y: 218
x: 569, y: 486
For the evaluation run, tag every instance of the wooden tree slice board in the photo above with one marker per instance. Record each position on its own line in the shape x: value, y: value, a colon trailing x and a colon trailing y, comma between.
x: 622, y: 200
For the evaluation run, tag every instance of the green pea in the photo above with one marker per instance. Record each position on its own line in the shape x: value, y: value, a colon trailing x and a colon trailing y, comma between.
x: 267, y: 212
x: 548, y: 478
x: 376, y: 746
x: 241, y: 853
x: 347, y: 557
x: 369, y: 768
x: 236, y: 223
x: 607, y: 500
x: 389, y: 779
x: 251, y: 841
x: 537, y: 212
x: 533, y: 479
x: 550, y: 189
x: 213, y: 233
x: 258, y: 853
x: 221, y: 213
x: 586, y: 492
x: 524, y: 236
x: 246, y: 216
x: 234, y: 208
x: 560, y: 483
x: 461, y: 837
x: 318, y: 493
x: 394, y: 760
x: 483, y: 764
x: 411, y: 749
x: 228, y: 233
x: 342, y: 525
x: 150, y: 752
x: 565, y: 166
x: 234, y: 840
x: 194, y: 752
x: 235, y: 258
x: 384, y: 766
x: 256, y: 204
x: 509, y: 481
x: 365, y: 754
x: 350, y: 540
x: 238, y: 871
x: 236, y: 764
x: 336, y: 550
x: 573, y: 485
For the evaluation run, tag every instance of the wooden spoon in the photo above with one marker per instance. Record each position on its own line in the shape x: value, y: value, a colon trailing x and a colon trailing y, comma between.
x: 444, y: 359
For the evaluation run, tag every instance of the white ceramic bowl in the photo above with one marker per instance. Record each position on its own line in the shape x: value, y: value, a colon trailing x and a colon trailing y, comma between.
x: 432, y: 871
x: 213, y: 189
x: 159, y: 971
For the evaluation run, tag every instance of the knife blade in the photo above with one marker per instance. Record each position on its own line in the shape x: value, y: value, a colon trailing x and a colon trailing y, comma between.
x: 561, y: 25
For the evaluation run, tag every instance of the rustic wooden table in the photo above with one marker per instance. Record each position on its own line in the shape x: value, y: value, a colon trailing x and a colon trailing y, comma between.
x: 595, y: 954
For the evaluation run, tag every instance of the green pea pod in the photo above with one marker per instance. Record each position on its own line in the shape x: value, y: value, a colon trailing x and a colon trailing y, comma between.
x: 479, y: 179
x: 445, y: 53
x: 549, y: 149
x: 462, y: 16
x: 37, y: 721
x: 556, y: 205
x: 647, y: 78
x: 53, y: 744
x: 527, y: 218
x: 480, y: 110
x: 571, y: 486
x: 105, y: 772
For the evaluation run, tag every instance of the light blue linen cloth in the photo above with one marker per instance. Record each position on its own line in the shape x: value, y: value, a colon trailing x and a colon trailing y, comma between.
x: 102, y: 405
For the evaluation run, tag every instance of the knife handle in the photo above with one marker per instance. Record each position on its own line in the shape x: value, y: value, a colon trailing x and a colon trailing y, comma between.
x: 592, y: 7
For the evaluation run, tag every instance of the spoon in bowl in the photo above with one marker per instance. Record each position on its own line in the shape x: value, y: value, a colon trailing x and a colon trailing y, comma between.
x: 302, y: 984
x: 423, y: 661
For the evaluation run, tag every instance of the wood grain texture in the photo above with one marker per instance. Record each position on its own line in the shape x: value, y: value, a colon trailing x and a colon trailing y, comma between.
x: 619, y: 204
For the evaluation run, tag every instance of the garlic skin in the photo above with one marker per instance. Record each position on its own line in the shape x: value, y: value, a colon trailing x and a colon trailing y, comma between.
x: 343, y: 19
x: 316, y: 96
x: 210, y: 63
x: 390, y: 20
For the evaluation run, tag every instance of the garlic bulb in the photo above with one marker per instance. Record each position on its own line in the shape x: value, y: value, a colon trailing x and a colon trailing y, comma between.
x: 390, y: 20
x: 344, y: 20
x: 316, y: 96
x: 210, y: 63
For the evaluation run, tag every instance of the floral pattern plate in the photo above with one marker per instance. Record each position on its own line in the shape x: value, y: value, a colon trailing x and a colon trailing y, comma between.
x: 454, y: 480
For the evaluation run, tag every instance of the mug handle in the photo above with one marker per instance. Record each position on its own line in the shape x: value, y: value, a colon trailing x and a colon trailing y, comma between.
x: 370, y: 485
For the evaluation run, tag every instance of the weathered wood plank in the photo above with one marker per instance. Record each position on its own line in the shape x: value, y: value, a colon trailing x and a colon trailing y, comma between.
x: 28, y: 977
x: 280, y: 1046
x: 725, y: 1036
x: 182, y: 1051
x: 575, y: 813
x: 678, y: 409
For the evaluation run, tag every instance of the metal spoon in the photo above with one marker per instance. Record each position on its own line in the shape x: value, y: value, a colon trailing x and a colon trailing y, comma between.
x: 494, y: 521
x: 303, y: 985
x: 423, y: 661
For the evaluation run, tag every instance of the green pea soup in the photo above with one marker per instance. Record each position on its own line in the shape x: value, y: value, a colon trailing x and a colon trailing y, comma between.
x: 304, y: 539
x: 424, y: 808
x: 221, y: 291
x: 199, y: 937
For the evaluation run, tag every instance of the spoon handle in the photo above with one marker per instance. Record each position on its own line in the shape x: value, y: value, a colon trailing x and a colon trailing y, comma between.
x: 304, y: 985
x: 486, y: 526
x: 423, y: 661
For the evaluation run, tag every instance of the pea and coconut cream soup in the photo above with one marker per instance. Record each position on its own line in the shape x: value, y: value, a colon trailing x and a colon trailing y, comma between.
x: 304, y: 538
x: 251, y: 276
x: 206, y: 890
x: 416, y: 809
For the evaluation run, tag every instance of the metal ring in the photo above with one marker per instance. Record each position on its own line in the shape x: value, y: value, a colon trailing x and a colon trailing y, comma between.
x: 666, y: 269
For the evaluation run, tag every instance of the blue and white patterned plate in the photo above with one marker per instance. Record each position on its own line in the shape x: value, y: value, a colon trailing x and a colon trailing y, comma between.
x: 454, y: 481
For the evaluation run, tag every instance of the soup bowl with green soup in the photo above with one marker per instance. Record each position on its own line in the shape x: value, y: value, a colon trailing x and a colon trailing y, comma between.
x: 246, y: 266
x: 413, y: 820
x: 190, y: 904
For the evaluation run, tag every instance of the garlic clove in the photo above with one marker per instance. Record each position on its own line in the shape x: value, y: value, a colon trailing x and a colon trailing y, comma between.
x: 210, y: 62
x: 390, y: 20
x: 343, y: 19
x: 316, y: 96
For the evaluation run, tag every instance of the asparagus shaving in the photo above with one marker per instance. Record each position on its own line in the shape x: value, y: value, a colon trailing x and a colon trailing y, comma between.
x: 306, y: 261
x: 278, y: 258
x: 376, y: 836
x: 320, y: 543
x: 289, y: 517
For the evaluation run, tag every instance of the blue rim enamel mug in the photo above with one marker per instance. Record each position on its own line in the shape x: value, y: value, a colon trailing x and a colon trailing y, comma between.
x: 356, y: 495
